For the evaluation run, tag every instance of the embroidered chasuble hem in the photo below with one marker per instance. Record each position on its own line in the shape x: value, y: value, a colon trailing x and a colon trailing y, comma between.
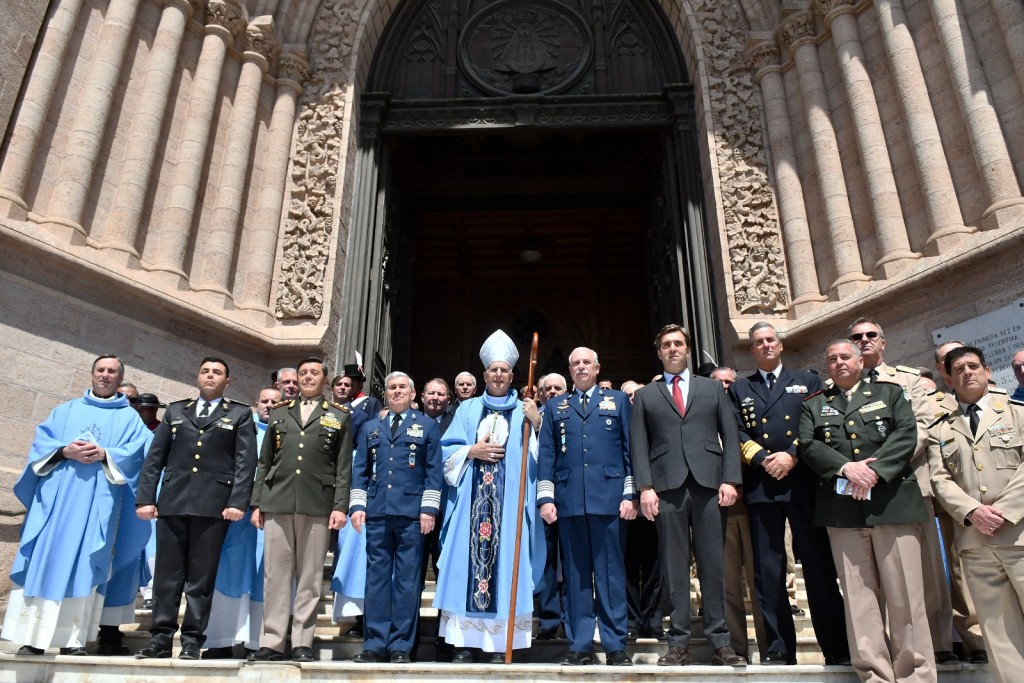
x: 489, y: 635
x: 42, y: 623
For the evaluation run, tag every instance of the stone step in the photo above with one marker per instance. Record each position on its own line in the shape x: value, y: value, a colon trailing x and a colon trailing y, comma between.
x: 62, y: 669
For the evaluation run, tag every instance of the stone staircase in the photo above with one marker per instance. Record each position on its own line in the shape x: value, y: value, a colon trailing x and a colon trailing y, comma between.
x: 334, y: 651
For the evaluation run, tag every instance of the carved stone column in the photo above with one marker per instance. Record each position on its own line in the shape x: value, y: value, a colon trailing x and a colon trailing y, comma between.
x: 983, y: 129
x: 764, y: 54
x: 925, y: 144
x: 893, y: 243
x: 35, y: 103
x: 120, y: 230
x: 797, y: 32
x: 1011, y: 18
x: 165, y: 247
x: 259, y: 237
x: 215, y: 245
x: 85, y: 139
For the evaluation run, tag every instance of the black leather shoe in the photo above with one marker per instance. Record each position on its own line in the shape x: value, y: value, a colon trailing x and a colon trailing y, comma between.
x: 774, y: 658
x: 400, y: 657
x: 797, y: 611
x: 29, y: 650
x: 726, y: 656
x: 147, y: 603
x: 497, y: 658
x: 946, y: 657
x: 546, y: 634
x: 189, y: 650
x: 656, y: 633
x: 618, y: 658
x: 463, y: 657
x: 266, y: 654
x: 369, y: 657
x: 219, y: 653
x: 978, y: 657
x: 357, y: 629
x: 153, y: 651
x: 112, y: 649
x: 632, y: 633
x: 577, y: 658
x: 834, y: 660
x: 302, y: 654
x: 74, y: 651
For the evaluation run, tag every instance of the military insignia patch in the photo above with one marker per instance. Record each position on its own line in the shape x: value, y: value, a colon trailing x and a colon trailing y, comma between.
x: 829, y: 411
x: 872, y: 407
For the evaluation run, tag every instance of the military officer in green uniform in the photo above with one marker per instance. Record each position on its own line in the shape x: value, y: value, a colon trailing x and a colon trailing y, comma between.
x: 859, y: 439
x: 301, y: 493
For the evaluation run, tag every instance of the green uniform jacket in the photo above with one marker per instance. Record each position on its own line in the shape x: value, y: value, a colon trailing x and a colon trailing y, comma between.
x: 877, y: 422
x: 305, y: 469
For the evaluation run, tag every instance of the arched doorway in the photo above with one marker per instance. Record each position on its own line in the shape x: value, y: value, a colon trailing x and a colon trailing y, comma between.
x: 529, y: 164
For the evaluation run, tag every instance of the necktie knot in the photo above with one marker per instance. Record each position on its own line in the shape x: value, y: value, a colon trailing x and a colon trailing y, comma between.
x: 584, y: 399
x: 395, y: 421
x: 974, y: 417
x: 873, y: 375
x: 677, y: 395
x: 770, y: 379
x: 206, y: 409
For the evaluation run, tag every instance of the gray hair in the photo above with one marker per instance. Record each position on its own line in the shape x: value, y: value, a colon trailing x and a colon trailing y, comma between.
x: 395, y: 375
x: 468, y: 374
x: 862, y: 320
x: 286, y: 370
x: 759, y: 326
x: 845, y: 340
x: 585, y: 348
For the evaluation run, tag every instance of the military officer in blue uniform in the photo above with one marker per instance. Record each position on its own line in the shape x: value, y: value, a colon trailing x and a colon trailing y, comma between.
x: 777, y: 488
x: 585, y: 483
x: 396, y: 491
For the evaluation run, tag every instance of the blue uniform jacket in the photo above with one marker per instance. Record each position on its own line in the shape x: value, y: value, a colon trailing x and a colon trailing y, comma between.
x: 583, y: 461
x: 398, y: 475
x: 768, y: 423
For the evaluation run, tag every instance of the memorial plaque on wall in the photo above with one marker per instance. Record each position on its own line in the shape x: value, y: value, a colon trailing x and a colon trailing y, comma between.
x: 999, y: 333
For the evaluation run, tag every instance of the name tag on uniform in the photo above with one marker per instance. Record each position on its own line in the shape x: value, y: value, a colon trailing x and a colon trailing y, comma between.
x: 416, y: 431
x: 871, y: 407
x: 796, y: 389
x: 225, y: 425
x: 178, y: 421
x: 828, y: 411
x: 329, y: 420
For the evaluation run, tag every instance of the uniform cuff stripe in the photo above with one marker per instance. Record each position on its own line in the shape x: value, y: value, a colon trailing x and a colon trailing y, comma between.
x: 431, y: 499
x: 629, y: 488
x: 545, y: 489
x: 357, y: 497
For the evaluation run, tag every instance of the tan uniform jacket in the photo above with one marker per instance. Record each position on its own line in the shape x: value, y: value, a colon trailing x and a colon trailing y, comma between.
x: 968, y: 471
x: 917, y: 393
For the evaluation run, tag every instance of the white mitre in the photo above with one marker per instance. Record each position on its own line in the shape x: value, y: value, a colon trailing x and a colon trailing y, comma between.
x: 499, y: 346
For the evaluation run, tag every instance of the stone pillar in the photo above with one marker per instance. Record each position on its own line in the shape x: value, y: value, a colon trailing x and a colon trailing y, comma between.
x: 165, y: 250
x: 933, y: 174
x: 893, y: 243
x: 987, y: 142
x: 41, y: 83
x: 797, y: 32
x: 215, y: 245
x: 259, y: 237
x: 1011, y: 18
x: 85, y: 140
x: 120, y: 230
x: 789, y: 190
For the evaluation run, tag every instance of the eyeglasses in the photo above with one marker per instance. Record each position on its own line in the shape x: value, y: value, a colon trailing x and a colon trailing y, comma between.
x: 863, y: 335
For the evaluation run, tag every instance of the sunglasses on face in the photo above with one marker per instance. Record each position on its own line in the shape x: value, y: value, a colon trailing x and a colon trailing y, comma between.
x: 863, y: 335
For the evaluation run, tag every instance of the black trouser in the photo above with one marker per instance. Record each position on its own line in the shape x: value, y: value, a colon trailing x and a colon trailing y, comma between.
x: 187, y: 556
x: 643, y: 576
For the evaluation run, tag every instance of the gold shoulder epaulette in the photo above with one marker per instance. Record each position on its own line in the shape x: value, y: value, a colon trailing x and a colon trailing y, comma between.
x: 908, y: 369
x: 344, y: 409
x: 998, y: 390
x: 282, y: 404
x: 1016, y: 402
x: 939, y: 417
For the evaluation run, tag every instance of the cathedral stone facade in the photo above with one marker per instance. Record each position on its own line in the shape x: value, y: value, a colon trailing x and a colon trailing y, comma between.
x: 184, y: 177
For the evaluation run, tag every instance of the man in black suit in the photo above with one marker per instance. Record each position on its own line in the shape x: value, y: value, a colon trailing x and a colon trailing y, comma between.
x: 349, y: 392
x: 204, y: 452
x: 777, y: 488
x: 436, y: 400
x: 686, y: 461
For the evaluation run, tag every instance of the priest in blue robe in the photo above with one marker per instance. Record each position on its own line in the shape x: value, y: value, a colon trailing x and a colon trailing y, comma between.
x: 79, y: 490
x: 483, y: 463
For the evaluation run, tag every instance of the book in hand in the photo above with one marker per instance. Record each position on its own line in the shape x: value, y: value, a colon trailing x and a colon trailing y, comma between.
x: 845, y: 487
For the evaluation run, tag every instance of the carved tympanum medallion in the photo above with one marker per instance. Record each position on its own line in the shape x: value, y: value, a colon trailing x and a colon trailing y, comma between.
x: 531, y: 47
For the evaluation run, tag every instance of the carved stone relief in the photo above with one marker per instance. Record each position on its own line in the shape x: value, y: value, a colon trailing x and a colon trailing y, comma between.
x: 752, y: 233
x: 310, y: 219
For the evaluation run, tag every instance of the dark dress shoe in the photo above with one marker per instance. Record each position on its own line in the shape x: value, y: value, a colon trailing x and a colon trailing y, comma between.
x: 147, y: 603
x: 497, y: 658
x: 443, y: 651
x: 632, y: 633
x: 577, y: 658
x: 546, y: 634
x: 153, y: 651
x: 676, y: 656
x: 29, y: 650
x: 774, y: 657
x: 797, y: 611
x: 946, y: 657
x: 302, y: 654
x: 618, y: 658
x: 74, y: 651
x: 400, y: 657
x: 357, y: 629
x: 219, y: 653
x: 369, y: 657
x: 112, y: 649
x: 189, y: 650
x: 726, y: 656
x: 656, y: 633
x: 837, y: 660
x: 266, y: 654
x: 463, y: 657
x: 978, y: 657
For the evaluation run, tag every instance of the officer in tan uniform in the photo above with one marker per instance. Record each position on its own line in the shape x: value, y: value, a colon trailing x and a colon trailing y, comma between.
x: 301, y: 492
x: 965, y: 618
x: 976, y: 455
x: 868, y: 335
